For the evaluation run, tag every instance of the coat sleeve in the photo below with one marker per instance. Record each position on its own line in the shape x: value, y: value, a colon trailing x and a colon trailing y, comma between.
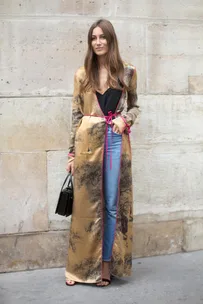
x: 128, y: 117
x: 132, y: 106
x: 76, y: 116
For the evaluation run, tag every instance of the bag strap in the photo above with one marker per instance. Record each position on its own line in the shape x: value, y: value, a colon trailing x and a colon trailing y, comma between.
x: 69, y: 182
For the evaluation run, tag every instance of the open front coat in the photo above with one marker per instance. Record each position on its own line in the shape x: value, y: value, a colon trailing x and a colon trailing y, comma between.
x: 84, y: 260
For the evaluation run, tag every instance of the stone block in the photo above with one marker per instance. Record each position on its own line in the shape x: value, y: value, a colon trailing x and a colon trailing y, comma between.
x: 157, y: 238
x: 34, y: 124
x: 167, y: 74
x: 55, y: 7
x: 172, y: 40
x: 42, y: 58
x: 174, y: 53
x: 23, y: 197
x: 169, y: 216
x: 169, y: 119
x: 56, y: 173
x: 162, y: 9
x: 195, y: 66
x: 33, y: 251
x: 131, y: 37
x: 168, y: 179
x: 195, y: 84
x: 193, y: 234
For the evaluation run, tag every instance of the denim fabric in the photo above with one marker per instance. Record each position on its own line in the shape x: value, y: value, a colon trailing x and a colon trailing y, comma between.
x: 111, y: 179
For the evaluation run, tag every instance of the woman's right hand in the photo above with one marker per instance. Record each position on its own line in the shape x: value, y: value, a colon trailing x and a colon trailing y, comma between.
x: 70, y: 167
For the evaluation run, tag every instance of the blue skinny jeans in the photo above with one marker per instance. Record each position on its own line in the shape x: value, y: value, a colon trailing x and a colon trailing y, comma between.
x: 112, y: 155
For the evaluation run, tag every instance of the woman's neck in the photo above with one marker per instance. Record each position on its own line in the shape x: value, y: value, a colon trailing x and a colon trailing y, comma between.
x: 101, y: 62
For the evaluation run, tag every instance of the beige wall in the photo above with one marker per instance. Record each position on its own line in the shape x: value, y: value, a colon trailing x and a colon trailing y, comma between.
x: 42, y: 44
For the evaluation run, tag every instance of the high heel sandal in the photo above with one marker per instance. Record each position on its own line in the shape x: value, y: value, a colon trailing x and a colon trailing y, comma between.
x: 104, y: 280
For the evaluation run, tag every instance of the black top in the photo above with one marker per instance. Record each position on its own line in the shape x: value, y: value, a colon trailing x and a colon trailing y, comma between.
x: 109, y: 100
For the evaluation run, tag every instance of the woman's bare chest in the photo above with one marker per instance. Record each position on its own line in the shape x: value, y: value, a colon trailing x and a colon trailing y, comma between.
x: 103, y: 81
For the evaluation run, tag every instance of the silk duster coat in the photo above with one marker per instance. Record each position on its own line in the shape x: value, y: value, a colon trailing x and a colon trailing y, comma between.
x: 84, y: 259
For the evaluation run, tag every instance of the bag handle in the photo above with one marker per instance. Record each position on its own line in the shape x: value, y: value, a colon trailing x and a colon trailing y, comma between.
x: 69, y: 182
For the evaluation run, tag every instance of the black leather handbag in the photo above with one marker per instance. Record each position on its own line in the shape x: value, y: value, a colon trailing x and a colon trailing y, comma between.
x: 65, y: 201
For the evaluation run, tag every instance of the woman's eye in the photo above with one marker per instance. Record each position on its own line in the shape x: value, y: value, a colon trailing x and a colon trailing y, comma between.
x: 101, y: 37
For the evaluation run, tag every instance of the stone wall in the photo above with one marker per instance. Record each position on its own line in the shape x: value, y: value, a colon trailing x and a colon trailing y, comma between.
x: 42, y: 44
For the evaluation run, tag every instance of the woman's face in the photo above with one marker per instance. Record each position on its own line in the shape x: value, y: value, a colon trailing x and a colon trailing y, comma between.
x: 99, y: 42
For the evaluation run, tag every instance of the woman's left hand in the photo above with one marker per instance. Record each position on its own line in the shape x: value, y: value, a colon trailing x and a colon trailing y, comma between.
x: 118, y: 126
x: 115, y: 129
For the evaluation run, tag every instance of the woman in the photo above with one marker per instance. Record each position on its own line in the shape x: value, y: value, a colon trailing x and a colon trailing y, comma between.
x: 103, y: 110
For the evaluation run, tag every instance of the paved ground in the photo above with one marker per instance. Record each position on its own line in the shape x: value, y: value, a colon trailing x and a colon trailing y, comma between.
x: 174, y: 279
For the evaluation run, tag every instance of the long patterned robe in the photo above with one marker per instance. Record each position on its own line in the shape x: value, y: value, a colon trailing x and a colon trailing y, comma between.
x: 84, y: 260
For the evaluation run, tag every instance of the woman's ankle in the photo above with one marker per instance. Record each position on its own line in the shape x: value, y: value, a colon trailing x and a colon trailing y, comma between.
x: 106, y: 270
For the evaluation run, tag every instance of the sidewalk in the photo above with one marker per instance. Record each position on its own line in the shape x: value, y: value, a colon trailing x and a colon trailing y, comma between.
x: 168, y: 279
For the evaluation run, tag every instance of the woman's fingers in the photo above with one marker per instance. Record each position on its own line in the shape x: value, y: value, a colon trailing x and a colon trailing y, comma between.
x: 70, y: 167
x: 116, y: 129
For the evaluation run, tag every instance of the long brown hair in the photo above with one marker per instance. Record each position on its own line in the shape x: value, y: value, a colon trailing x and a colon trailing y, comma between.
x: 114, y: 63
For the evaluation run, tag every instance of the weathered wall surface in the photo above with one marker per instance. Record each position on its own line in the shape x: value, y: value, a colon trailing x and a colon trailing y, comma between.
x: 42, y: 44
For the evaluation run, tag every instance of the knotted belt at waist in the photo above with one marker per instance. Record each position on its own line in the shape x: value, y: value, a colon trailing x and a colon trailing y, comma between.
x: 109, y: 121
